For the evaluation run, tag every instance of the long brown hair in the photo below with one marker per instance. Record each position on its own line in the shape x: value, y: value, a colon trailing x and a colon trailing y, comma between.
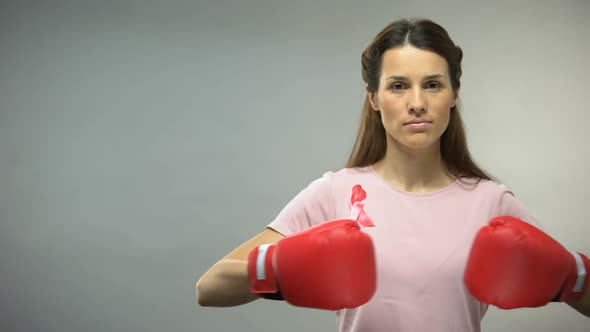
x: 371, y: 142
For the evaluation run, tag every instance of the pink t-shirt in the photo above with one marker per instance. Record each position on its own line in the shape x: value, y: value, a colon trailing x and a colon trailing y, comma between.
x: 422, y: 242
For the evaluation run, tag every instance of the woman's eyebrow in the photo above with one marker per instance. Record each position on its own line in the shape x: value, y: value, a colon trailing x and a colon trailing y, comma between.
x: 433, y: 76
x: 404, y: 78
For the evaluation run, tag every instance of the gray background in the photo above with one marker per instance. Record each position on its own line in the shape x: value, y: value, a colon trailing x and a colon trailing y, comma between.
x: 140, y: 141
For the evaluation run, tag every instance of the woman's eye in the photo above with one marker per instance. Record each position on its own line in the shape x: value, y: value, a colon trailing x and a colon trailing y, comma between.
x: 397, y: 86
x: 433, y: 85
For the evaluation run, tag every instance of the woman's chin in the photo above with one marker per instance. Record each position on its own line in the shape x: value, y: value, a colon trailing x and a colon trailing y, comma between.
x: 420, y: 144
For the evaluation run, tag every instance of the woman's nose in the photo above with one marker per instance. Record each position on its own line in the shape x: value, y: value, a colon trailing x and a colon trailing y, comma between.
x: 416, y: 103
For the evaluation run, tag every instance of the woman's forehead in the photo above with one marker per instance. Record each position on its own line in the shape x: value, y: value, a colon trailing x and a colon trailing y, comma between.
x: 412, y: 62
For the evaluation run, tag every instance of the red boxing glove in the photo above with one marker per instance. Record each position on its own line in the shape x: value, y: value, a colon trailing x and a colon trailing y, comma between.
x: 330, y: 266
x: 513, y: 264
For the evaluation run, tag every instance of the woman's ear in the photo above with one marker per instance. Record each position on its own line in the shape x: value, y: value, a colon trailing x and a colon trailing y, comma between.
x: 372, y: 98
x: 455, y: 98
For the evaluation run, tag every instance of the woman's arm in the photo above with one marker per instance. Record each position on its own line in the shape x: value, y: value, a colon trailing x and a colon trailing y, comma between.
x: 226, y: 283
x: 582, y: 306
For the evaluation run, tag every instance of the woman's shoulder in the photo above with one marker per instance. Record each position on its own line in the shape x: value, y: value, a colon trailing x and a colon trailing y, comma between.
x: 483, y: 186
x: 346, y: 173
x: 342, y: 179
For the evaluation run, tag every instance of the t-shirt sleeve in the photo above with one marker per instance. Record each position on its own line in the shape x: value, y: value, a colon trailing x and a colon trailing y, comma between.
x: 511, y: 206
x: 311, y: 206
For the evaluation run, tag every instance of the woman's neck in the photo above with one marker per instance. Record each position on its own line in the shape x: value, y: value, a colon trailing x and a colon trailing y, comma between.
x: 413, y: 170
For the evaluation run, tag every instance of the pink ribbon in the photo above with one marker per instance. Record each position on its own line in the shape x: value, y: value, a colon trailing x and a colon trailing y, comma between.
x: 357, y: 211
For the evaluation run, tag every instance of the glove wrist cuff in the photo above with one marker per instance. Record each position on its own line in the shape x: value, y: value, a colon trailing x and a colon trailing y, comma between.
x: 577, y: 284
x: 261, y: 272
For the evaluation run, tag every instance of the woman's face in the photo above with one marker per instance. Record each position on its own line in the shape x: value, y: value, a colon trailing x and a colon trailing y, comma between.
x: 414, y: 96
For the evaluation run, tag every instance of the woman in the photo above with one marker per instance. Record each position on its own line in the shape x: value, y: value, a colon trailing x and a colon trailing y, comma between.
x: 426, y: 196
